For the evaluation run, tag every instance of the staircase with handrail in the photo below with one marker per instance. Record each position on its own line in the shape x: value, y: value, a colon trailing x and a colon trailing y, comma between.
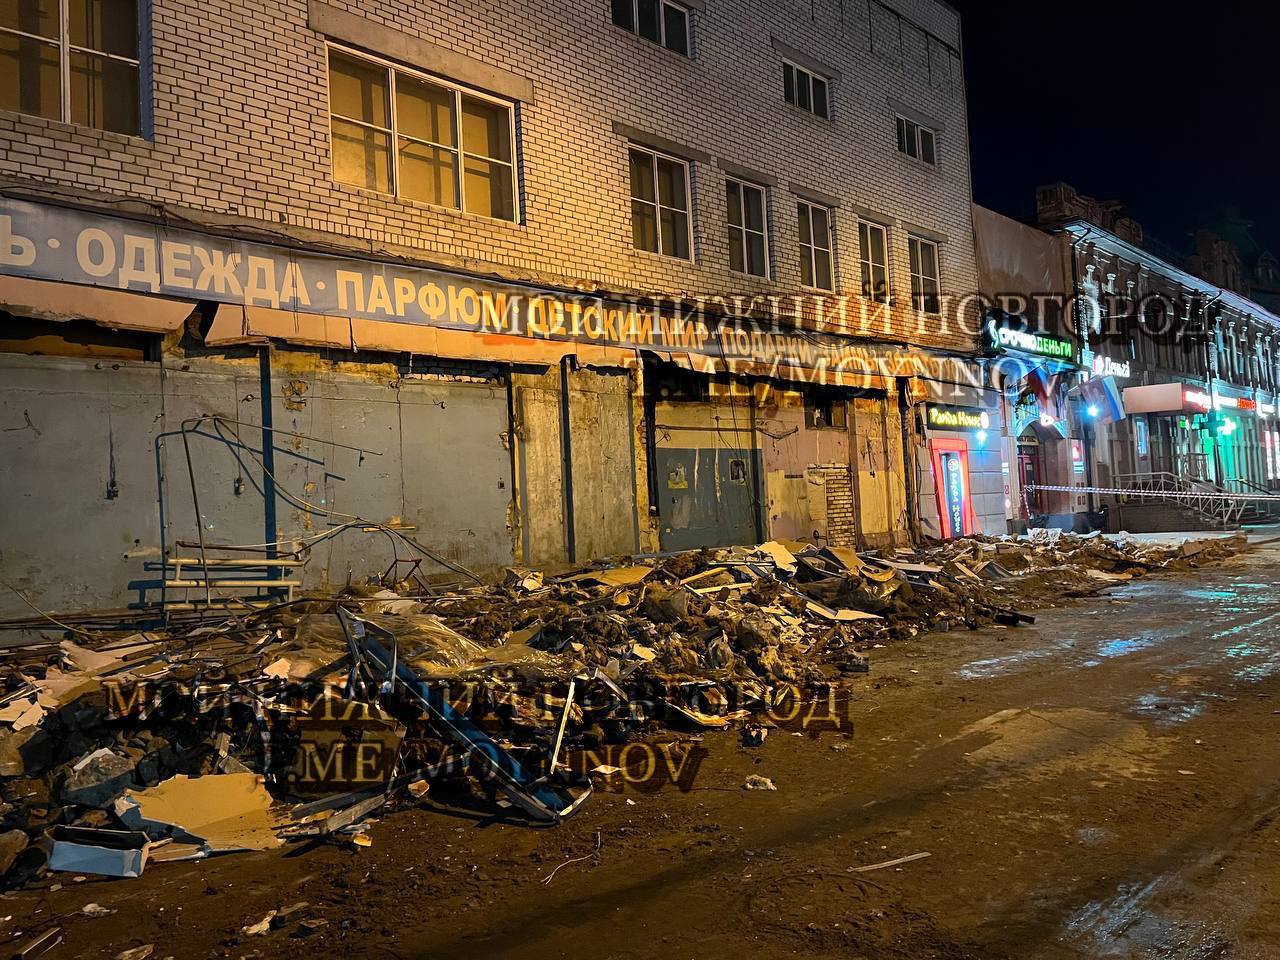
x: 1201, y: 498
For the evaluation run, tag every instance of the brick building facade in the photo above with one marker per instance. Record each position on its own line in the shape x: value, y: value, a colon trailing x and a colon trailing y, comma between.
x: 246, y: 130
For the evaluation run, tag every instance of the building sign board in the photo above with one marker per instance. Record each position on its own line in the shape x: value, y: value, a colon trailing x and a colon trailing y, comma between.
x: 1077, y: 457
x: 954, y: 492
x: 1002, y: 336
x: 1106, y: 367
x: 943, y: 417
x: 1197, y: 399
x: 44, y: 242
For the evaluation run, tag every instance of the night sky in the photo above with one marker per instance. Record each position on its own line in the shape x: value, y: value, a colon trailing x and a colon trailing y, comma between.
x: 1177, y: 115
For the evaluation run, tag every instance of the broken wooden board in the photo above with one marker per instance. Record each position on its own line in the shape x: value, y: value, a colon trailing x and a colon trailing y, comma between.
x: 782, y: 558
x: 924, y: 569
x: 841, y: 615
x: 847, y: 557
x: 707, y: 720
x: 227, y: 811
x: 612, y: 576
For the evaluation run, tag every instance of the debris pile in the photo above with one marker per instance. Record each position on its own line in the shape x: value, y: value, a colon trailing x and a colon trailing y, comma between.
x: 222, y: 731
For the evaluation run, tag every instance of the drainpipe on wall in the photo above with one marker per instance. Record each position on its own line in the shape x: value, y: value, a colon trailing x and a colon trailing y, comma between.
x: 520, y: 525
x: 566, y: 456
x: 910, y: 461
x: 269, y: 522
x: 855, y: 480
x: 757, y: 457
x: 650, y: 401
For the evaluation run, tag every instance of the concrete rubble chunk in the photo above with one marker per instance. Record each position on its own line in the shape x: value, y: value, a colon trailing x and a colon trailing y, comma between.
x: 97, y: 779
x: 12, y: 843
x: 25, y: 752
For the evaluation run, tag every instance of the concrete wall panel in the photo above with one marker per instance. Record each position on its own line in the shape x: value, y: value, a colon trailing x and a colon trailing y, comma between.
x: 71, y: 538
x: 540, y: 459
x: 604, y: 499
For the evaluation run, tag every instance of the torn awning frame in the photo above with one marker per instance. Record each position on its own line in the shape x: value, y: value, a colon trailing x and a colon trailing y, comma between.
x: 114, y: 309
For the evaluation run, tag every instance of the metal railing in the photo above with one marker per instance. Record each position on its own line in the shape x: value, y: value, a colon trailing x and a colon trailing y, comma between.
x: 1247, y: 487
x: 1211, y: 502
x: 1242, y: 485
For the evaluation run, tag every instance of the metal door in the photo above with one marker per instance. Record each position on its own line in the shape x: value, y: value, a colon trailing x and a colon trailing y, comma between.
x: 708, y: 475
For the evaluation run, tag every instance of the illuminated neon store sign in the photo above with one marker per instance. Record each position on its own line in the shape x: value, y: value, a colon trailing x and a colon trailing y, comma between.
x: 1203, y: 401
x: 1037, y: 343
x: 956, y: 418
x: 1106, y: 367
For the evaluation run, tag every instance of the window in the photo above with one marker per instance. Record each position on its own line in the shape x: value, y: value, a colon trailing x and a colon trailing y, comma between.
x: 816, y: 268
x: 925, y: 287
x: 421, y: 139
x: 825, y: 409
x: 748, y: 229
x: 875, y: 261
x: 917, y: 141
x: 661, y: 21
x: 660, y: 204
x: 86, y: 73
x: 806, y: 90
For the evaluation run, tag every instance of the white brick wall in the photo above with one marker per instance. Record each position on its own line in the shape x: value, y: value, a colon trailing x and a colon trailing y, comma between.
x: 241, y: 135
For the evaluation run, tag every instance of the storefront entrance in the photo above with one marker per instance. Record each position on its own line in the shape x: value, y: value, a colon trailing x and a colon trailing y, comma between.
x: 951, y: 478
x: 1030, y: 473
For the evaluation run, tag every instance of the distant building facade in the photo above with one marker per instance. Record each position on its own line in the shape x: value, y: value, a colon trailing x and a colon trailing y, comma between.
x: 1194, y: 360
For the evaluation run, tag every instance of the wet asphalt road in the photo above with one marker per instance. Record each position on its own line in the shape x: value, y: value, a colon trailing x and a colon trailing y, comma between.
x: 1132, y: 778
x: 1105, y: 784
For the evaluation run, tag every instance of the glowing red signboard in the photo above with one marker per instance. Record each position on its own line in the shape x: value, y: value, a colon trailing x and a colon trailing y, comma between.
x: 951, y: 478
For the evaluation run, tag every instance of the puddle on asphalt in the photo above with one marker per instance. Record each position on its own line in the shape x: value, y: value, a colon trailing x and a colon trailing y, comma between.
x: 1123, y: 646
x: 1211, y: 594
x: 1168, y: 712
x: 1009, y: 663
x: 1183, y: 610
x: 1049, y: 743
x: 1125, y: 927
x: 1257, y: 672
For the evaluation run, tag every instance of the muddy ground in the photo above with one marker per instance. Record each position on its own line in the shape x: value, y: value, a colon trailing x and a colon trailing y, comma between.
x: 1105, y: 784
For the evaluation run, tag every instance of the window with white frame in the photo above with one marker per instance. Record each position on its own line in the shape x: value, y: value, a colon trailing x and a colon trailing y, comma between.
x: 748, y: 228
x: 419, y: 138
x: 917, y: 141
x: 660, y: 221
x: 72, y: 60
x: 816, y: 262
x: 926, y: 286
x: 661, y: 21
x: 806, y: 90
x: 874, y: 243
